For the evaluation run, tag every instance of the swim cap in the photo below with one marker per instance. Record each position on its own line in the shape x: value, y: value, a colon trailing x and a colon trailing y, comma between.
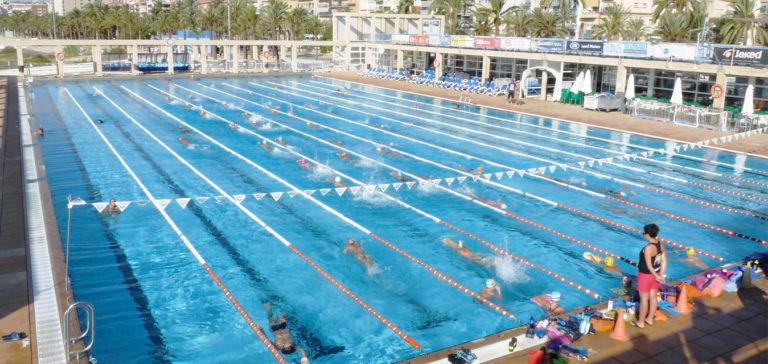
x: 690, y: 251
x: 337, y: 179
x: 263, y: 141
x: 378, y: 149
x: 608, y: 261
x: 280, y: 138
x: 490, y: 283
x: 503, y: 206
x: 555, y: 296
x: 460, y: 244
x: 350, y: 241
x: 302, y: 160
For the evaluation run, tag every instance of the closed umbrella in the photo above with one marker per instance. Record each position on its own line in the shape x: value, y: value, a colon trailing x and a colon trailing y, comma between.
x: 749, y: 102
x: 677, y: 93
x: 630, y: 93
x: 586, y: 87
x: 576, y: 87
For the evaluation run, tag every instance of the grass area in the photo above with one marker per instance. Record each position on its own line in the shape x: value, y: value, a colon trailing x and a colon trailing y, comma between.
x: 8, y: 57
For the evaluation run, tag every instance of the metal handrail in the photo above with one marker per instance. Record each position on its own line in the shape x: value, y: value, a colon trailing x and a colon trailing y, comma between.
x: 89, y: 329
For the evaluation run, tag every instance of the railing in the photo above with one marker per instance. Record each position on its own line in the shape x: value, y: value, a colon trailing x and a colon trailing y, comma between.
x: 88, y: 332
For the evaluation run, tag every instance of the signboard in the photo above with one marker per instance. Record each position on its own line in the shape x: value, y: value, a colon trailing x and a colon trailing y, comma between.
x: 434, y: 40
x: 419, y: 39
x: 516, y: 44
x: 549, y: 45
x: 740, y: 55
x: 431, y: 26
x: 487, y: 42
x: 462, y: 41
x: 676, y: 51
x: 445, y: 40
x: 400, y: 38
x: 625, y: 49
x: 585, y: 47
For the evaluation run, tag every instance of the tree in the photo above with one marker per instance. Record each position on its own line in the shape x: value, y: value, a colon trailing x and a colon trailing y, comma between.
x: 547, y: 23
x: 613, y: 23
x: 404, y: 6
x: 451, y: 9
x: 737, y: 29
x: 496, y: 13
x: 275, y: 14
x: 671, y: 27
x: 519, y: 22
x: 482, y: 21
x: 691, y: 12
x: 635, y: 30
x: 295, y: 18
x: 565, y: 7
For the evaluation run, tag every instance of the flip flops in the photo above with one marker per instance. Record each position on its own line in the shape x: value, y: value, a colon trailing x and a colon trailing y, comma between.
x: 15, y: 336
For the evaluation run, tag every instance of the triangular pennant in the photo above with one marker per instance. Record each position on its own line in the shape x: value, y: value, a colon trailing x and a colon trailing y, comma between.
x: 410, y: 184
x: 677, y: 148
x: 436, y: 181
x: 552, y: 169
x: 714, y: 140
x: 510, y: 174
x: 600, y: 162
x: 591, y: 162
x: 729, y: 138
x: 383, y: 187
x: 340, y: 190
x: 77, y: 202
x: 122, y: 205
x: 474, y: 177
x: 100, y: 206
x: 292, y: 193
x: 163, y: 203
x: 698, y: 144
x: 722, y: 139
x: 324, y: 191
x: 219, y: 198
x: 449, y: 181
x: 749, y: 133
x: 644, y: 154
x: 499, y: 175
x: 354, y: 189
x: 142, y: 202
x: 620, y: 157
x: 183, y: 202
x: 541, y: 170
x: 397, y: 185
x: 370, y: 188
x: 425, y: 182
x: 609, y: 160
x: 581, y: 164
x: 201, y: 200
x: 259, y: 196
x: 705, y: 143
x: 487, y: 176
x: 685, y: 147
x: 522, y: 173
x: 461, y: 179
x: 309, y: 192
x: 736, y: 136
x: 239, y: 198
x: 563, y: 166
x: 276, y: 195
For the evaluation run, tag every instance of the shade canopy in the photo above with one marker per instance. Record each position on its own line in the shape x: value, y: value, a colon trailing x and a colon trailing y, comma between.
x: 630, y: 93
x: 677, y: 93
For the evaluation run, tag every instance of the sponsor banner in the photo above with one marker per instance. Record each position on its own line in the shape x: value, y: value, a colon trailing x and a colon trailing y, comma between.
x: 419, y: 39
x: 445, y: 41
x: 462, y: 41
x: 549, y: 45
x: 382, y: 37
x: 740, y: 55
x: 625, y: 49
x: 516, y: 44
x: 401, y: 38
x: 585, y: 47
x: 678, y: 51
x: 434, y: 40
x: 487, y: 42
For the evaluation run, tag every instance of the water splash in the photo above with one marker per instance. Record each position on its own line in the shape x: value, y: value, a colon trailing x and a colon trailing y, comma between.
x: 510, y: 271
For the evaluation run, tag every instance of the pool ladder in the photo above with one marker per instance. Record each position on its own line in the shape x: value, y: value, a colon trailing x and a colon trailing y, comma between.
x: 89, y: 321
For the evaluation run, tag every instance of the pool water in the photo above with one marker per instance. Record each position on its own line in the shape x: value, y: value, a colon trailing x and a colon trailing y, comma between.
x: 155, y: 302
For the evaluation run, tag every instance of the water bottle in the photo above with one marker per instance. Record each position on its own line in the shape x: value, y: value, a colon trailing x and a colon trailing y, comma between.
x: 531, y: 331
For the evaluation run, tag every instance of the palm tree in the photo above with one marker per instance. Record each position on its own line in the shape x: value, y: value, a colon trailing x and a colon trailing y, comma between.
x: 737, y: 29
x: 482, y: 21
x: 519, y: 22
x: 404, y: 6
x: 613, y: 22
x: 496, y: 13
x: 635, y: 30
x: 451, y: 9
x: 565, y: 6
x: 314, y: 26
x: 275, y: 14
x: 547, y: 23
x: 694, y: 11
x: 294, y: 19
x: 672, y: 27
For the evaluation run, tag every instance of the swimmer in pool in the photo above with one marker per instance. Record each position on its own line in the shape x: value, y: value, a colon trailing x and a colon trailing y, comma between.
x: 399, y: 175
x: 336, y: 181
x: 356, y: 248
x: 312, y: 126
x: 112, y: 208
x: 334, y: 141
x: 279, y: 326
x: 550, y: 302
x: 619, y: 192
x: 247, y: 115
x: 234, y: 126
x: 605, y: 262
x: 255, y: 124
x: 184, y: 142
x: 303, y: 162
x: 39, y: 131
x: 691, y: 258
x: 183, y: 129
x: 265, y: 145
x: 346, y: 157
x: 491, y: 290
x: 292, y: 113
x: 463, y: 250
x: 281, y: 141
x: 98, y: 121
x: 388, y: 152
x: 168, y: 99
x: 309, y: 105
x: 271, y: 109
x: 497, y: 203
x: 191, y: 97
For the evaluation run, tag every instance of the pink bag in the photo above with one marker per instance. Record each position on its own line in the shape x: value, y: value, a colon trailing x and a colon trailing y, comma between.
x: 715, y: 287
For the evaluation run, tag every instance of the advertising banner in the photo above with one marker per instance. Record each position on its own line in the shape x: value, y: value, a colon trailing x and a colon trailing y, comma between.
x: 740, y: 55
x: 549, y: 45
x: 625, y: 49
x: 462, y: 41
x: 419, y: 39
x: 434, y: 40
x: 677, y: 51
x: 401, y: 38
x: 585, y: 47
x: 445, y: 41
x: 516, y: 44
x: 487, y: 42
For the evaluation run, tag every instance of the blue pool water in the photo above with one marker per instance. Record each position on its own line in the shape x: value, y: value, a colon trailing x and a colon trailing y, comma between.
x: 155, y: 302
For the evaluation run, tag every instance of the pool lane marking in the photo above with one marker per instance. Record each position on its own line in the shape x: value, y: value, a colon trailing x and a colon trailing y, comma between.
x: 636, y: 205
x: 264, y: 225
x: 512, y: 140
x: 252, y: 324
x: 684, y: 156
x: 398, y: 201
x: 526, y: 194
x: 419, y: 178
x: 747, y: 180
x: 298, y: 191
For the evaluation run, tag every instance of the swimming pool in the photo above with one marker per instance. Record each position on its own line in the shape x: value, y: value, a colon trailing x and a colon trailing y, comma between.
x: 273, y: 231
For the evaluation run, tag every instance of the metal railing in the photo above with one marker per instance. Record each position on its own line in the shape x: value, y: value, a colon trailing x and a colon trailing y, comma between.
x: 89, y: 329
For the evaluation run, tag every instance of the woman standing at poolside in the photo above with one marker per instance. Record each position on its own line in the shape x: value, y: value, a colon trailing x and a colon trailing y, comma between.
x: 652, y: 265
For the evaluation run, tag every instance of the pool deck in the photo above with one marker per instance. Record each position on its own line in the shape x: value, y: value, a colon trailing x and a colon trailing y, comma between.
x: 755, y: 144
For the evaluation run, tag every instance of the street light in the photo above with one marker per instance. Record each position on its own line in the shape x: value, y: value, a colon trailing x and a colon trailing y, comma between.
x: 229, y: 26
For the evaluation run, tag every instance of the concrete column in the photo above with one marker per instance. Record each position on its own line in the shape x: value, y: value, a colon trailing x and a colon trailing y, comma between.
x: 96, y: 56
x: 368, y: 57
x: 544, y: 77
x: 59, y: 64
x: 397, y: 25
x: 294, y: 58
x: 227, y: 56
x: 203, y: 59
x: 347, y: 28
x: 439, y: 66
x: 169, y: 59
x: 20, y: 60
x: 347, y: 56
x: 255, y: 51
x: 420, y: 26
x: 722, y: 80
x: 134, y: 58
x: 236, y: 58
x: 621, y: 78
x: 399, y: 61
x: 486, y: 68
x: 651, y: 82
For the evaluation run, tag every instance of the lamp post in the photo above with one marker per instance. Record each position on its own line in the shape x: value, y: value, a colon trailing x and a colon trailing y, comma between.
x: 229, y: 25
x: 53, y: 18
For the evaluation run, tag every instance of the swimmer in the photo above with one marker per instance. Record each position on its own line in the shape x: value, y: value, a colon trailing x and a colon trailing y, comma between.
x: 691, y: 258
x: 98, y: 121
x: 184, y: 142
x: 334, y: 141
x: 388, y: 152
x: 190, y: 97
x: 265, y: 145
x: 303, y: 162
x: 336, y: 181
x: 491, y: 290
x: 255, y: 123
x: 309, y: 105
x: 357, y: 249
x: 271, y: 109
x: 283, y: 339
x: 187, y: 104
x: 247, y: 115
x: 457, y: 107
x: 497, y: 203
x: 281, y: 141
x: 223, y: 103
x: 477, y: 171
x: 605, y: 262
x: 112, y: 208
x: 415, y: 106
x: 463, y: 250
x: 168, y: 99
x: 550, y: 302
x: 202, y: 112
x: 182, y: 129
x: 304, y: 359
x: 346, y: 157
x: 619, y: 192
x: 399, y: 175
x: 39, y: 131
x: 312, y: 126
x: 291, y: 112
x: 234, y: 126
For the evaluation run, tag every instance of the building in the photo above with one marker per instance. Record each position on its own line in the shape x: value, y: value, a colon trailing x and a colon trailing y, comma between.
x: 36, y: 8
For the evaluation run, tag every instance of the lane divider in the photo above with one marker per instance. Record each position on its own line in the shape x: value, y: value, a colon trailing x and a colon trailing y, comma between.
x: 747, y: 180
x: 684, y: 156
x: 260, y: 222
x: 727, y: 191
x: 328, y: 208
x: 408, y: 206
x: 247, y: 317
x: 747, y: 213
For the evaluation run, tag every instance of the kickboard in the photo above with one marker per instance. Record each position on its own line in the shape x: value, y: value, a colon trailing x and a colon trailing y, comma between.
x: 587, y: 256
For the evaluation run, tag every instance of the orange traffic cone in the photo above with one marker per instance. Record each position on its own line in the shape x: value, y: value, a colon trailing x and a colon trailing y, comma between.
x: 658, y: 316
x: 620, y: 328
x: 682, y: 302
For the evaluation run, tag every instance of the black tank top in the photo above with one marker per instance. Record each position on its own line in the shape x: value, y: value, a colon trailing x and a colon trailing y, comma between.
x: 655, y: 260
